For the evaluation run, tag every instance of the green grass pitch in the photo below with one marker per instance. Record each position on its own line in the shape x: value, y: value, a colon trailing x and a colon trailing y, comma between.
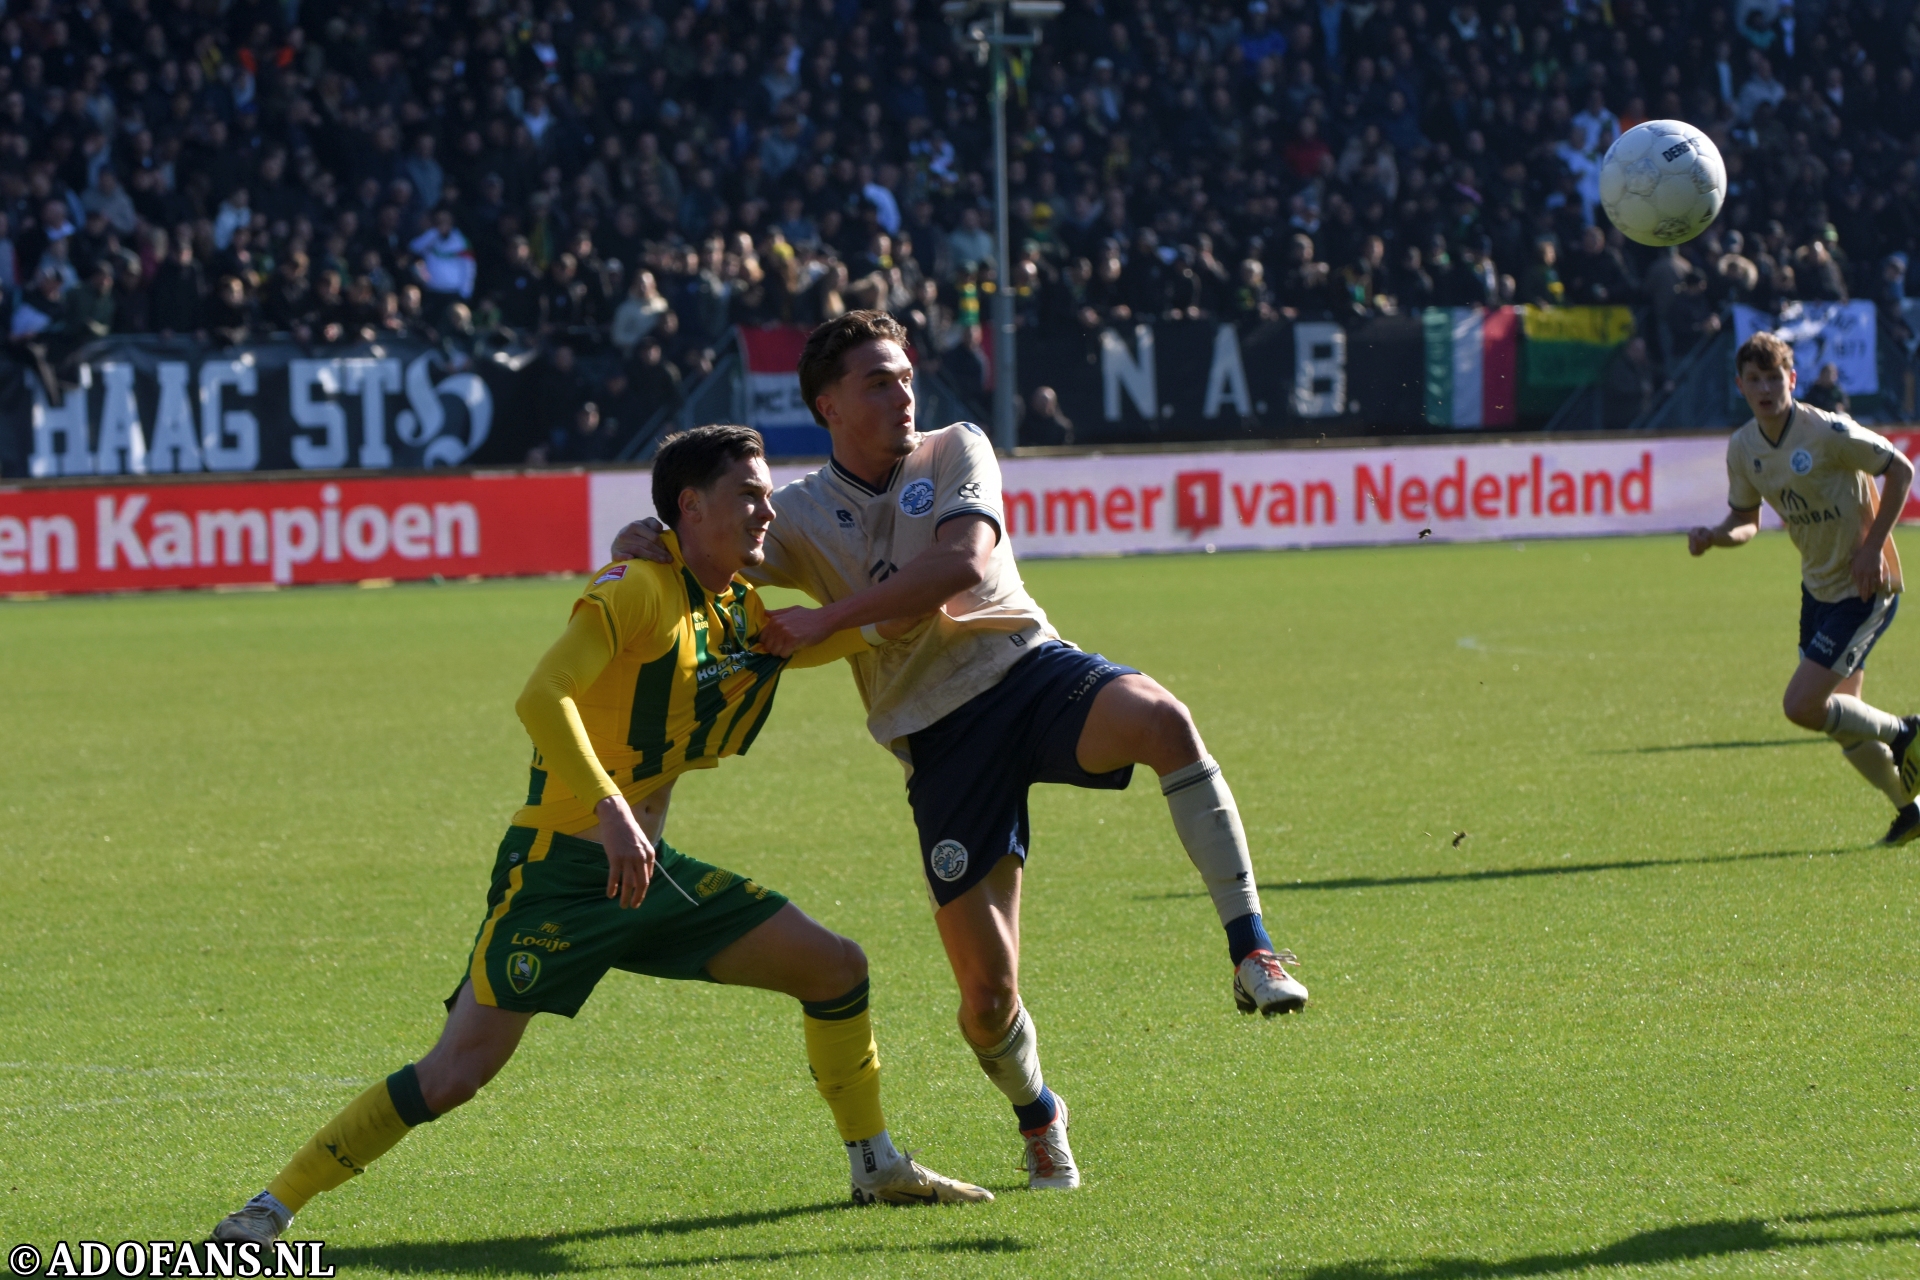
x: 1653, y: 1015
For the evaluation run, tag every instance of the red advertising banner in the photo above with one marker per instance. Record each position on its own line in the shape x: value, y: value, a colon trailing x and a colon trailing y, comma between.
x: 132, y: 537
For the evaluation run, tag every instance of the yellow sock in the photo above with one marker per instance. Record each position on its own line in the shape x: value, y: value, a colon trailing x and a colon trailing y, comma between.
x: 846, y: 1062
x: 366, y: 1129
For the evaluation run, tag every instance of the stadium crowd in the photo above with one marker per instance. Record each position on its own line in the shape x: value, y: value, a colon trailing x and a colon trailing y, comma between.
x: 615, y: 182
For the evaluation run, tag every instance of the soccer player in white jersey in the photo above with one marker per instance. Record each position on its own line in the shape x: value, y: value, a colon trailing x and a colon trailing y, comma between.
x: 1816, y: 469
x: 982, y: 700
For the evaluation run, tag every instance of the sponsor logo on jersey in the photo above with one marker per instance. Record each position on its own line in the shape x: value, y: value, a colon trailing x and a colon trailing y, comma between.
x: 917, y: 498
x: 845, y: 518
x: 523, y: 970
x: 1792, y: 501
x: 618, y: 571
x: 948, y: 860
x: 1801, y: 462
x: 971, y: 489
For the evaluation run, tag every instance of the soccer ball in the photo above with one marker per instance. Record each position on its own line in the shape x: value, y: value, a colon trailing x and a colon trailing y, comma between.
x: 1662, y: 182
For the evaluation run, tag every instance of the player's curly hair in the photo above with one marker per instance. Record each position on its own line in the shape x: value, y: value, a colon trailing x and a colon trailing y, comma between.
x: 694, y: 460
x: 1765, y: 351
x: 824, y: 358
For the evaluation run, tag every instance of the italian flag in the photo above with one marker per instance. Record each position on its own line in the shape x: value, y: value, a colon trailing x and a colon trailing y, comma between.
x: 1470, y: 366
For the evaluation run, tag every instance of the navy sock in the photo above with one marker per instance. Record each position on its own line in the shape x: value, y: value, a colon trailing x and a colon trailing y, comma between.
x: 1246, y: 936
x: 1039, y: 1113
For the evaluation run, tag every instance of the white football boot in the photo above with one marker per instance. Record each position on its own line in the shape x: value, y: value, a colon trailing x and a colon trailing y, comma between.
x: 1261, y: 985
x: 1049, y: 1160
x: 907, y: 1181
x: 259, y: 1221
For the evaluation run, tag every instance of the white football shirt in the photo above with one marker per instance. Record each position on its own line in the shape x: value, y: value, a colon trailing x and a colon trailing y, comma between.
x: 833, y: 535
x: 1819, y: 479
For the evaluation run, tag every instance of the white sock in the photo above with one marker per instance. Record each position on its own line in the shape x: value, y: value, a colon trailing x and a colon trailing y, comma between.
x: 280, y: 1211
x: 1208, y: 823
x: 1848, y: 717
x: 870, y: 1158
x: 1014, y: 1064
x: 1874, y: 760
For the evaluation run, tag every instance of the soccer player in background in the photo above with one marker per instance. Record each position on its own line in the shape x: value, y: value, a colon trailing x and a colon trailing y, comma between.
x: 982, y: 699
x: 657, y: 673
x: 1816, y: 469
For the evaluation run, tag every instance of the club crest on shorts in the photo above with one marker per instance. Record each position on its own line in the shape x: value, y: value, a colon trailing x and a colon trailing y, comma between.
x: 1801, y: 462
x: 917, y: 498
x: 948, y: 860
x: 523, y: 970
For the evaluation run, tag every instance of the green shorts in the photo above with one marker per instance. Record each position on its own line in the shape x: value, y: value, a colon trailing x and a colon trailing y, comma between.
x: 551, y: 931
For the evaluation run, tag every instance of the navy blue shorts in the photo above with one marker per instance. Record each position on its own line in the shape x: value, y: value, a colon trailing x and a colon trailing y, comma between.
x: 972, y: 768
x: 1840, y: 635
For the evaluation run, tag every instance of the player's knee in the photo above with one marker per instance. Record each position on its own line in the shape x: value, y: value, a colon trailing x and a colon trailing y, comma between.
x: 1172, y: 739
x: 1808, y: 713
x: 849, y: 966
x: 987, y: 1004
x: 444, y: 1086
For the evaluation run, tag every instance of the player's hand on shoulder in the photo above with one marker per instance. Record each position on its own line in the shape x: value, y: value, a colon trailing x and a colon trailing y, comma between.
x: 641, y: 541
x: 792, y: 629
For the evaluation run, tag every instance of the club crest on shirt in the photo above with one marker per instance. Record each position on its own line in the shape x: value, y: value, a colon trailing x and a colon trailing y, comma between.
x: 1801, y: 462
x: 618, y: 571
x: 917, y: 498
x: 948, y: 860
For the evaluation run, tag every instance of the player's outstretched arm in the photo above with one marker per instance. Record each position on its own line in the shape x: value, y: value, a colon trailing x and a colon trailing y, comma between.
x: 1735, y: 531
x: 956, y: 562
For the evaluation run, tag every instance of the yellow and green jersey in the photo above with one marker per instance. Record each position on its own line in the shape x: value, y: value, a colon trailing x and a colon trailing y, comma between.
x: 683, y: 689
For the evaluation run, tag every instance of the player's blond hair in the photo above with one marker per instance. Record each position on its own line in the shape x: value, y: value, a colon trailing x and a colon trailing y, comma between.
x: 1764, y: 351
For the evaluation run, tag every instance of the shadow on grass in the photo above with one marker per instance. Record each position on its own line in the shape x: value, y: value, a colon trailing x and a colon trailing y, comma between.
x: 1806, y: 740
x: 1519, y: 873
x: 544, y: 1255
x: 1567, y: 869
x: 1679, y: 1243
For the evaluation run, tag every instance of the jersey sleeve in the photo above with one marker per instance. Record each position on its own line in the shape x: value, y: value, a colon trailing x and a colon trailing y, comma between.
x: 1741, y: 495
x: 841, y: 644
x: 548, y: 707
x: 1859, y: 448
x: 625, y: 598
x: 967, y: 479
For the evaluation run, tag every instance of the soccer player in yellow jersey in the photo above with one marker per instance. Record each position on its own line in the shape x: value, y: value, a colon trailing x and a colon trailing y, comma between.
x: 1817, y: 470
x: 657, y: 673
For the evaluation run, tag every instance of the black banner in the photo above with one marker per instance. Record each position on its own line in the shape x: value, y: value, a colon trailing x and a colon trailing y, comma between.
x: 146, y: 405
x: 1205, y: 380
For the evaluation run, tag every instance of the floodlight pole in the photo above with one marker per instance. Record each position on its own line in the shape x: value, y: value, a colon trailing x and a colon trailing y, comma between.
x: 990, y: 44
